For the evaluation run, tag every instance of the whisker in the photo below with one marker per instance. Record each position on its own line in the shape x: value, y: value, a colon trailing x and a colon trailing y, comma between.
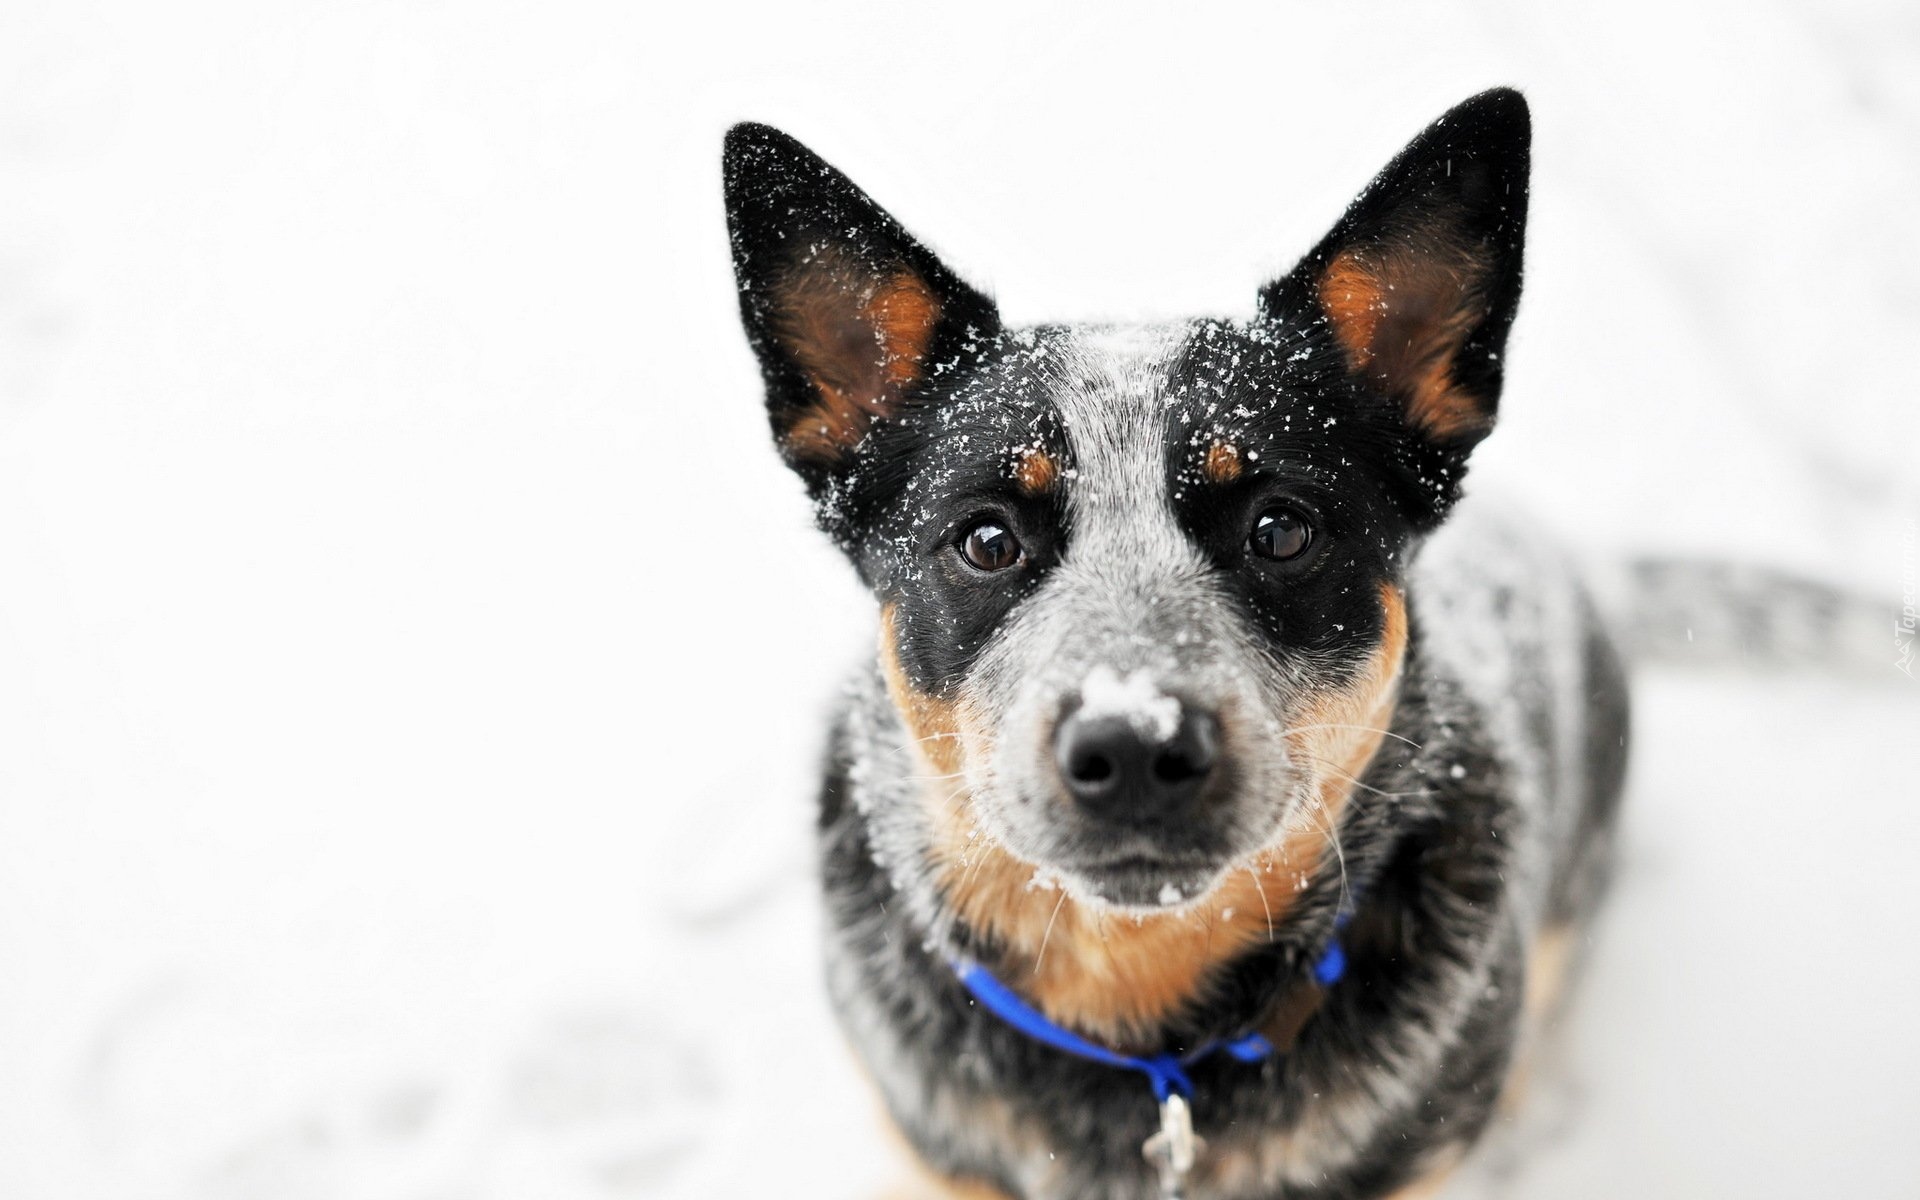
x: 956, y: 798
x: 1100, y: 929
x: 979, y: 856
x: 1362, y: 728
x: 918, y: 741
x: 978, y: 851
x: 1262, y: 889
x: 1048, y: 935
x: 1329, y: 767
x: 1339, y: 856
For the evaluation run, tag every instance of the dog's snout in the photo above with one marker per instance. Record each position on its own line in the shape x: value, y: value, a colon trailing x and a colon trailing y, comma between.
x: 1120, y: 768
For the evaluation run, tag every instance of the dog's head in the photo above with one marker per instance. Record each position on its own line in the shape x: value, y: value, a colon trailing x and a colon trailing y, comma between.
x: 1139, y: 586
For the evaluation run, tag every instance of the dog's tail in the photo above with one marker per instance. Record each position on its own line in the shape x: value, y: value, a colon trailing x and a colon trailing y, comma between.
x: 1695, y: 612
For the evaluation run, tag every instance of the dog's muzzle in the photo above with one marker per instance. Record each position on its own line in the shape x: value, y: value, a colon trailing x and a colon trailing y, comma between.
x: 1128, y: 770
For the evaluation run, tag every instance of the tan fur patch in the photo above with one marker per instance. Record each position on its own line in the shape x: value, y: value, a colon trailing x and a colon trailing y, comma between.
x: 985, y: 1119
x: 929, y: 1186
x: 1549, y: 963
x: 1430, y: 1185
x: 860, y: 342
x: 1353, y: 298
x: 1117, y: 978
x: 933, y: 722
x: 1547, y: 969
x: 1402, y: 318
x: 1036, y: 472
x: 1106, y: 974
x: 1261, y: 1160
x: 1222, y: 464
x: 1340, y: 731
x: 917, y: 1181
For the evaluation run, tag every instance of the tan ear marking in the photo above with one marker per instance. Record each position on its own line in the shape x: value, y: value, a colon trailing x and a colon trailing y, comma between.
x: 1352, y: 298
x: 861, y: 343
x: 1402, y: 317
x: 903, y: 310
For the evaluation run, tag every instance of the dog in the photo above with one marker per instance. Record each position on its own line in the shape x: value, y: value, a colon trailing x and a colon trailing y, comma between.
x: 1223, y: 794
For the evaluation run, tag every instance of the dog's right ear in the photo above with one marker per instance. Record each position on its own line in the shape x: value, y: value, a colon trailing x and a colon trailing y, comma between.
x: 847, y: 312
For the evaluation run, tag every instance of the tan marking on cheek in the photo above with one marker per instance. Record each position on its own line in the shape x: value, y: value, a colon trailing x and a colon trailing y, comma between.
x: 934, y: 723
x: 861, y: 346
x: 1119, y: 979
x: 1036, y: 472
x: 1337, y: 734
x: 1222, y: 463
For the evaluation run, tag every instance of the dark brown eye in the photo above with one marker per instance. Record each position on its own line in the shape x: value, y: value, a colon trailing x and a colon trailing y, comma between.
x: 990, y: 547
x: 1281, y: 534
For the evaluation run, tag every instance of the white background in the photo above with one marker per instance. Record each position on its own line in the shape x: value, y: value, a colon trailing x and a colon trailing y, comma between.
x: 412, y: 654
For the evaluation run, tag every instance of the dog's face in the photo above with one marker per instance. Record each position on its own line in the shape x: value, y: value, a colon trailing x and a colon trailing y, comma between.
x: 1139, y: 586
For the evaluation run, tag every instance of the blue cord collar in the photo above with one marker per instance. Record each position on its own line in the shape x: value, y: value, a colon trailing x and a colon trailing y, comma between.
x: 1167, y: 1073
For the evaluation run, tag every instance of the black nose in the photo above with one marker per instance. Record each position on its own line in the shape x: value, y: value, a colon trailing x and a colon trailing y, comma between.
x: 1117, y: 768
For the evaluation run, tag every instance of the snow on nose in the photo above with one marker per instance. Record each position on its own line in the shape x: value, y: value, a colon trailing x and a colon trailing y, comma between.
x: 1136, y: 699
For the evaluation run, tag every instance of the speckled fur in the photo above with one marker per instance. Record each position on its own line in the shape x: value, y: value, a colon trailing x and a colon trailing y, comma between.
x: 1466, y: 847
x: 1476, y: 819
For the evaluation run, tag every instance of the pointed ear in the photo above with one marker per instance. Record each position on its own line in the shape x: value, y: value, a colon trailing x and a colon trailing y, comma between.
x: 1419, y: 281
x: 848, y: 313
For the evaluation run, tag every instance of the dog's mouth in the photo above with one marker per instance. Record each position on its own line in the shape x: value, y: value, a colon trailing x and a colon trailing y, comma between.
x: 1149, y: 865
x: 1146, y: 881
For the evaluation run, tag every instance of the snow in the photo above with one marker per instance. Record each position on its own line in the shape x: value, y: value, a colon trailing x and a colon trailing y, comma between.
x: 1134, y: 698
x: 411, y: 650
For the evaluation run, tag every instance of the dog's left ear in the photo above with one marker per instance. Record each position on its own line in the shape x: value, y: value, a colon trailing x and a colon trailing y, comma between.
x: 1419, y: 281
x: 847, y: 312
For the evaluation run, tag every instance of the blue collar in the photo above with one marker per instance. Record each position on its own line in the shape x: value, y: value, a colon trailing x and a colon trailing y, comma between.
x: 1166, y: 1072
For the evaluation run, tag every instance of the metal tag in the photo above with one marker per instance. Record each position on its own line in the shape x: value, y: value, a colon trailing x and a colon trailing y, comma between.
x: 1174, y: 1148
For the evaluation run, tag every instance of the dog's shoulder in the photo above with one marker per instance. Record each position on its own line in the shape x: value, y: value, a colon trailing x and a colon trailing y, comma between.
x: 1503, y: 615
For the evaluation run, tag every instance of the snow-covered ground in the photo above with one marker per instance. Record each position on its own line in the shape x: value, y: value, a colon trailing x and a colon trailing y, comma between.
x: 412, y: 654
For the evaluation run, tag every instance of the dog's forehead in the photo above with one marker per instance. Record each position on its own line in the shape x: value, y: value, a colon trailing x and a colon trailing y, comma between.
x: 1123, y: 423
x: 1114, y: 404
x: 1101, y: 393
x: 1133, y: 404
x: 1118, y: 413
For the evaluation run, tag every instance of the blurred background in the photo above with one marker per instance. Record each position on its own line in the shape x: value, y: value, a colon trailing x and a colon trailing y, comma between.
x: 413, y: 656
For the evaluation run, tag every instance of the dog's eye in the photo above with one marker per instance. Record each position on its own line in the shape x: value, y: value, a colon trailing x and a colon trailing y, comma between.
x: 990, y: 547
x: 1281, y: 534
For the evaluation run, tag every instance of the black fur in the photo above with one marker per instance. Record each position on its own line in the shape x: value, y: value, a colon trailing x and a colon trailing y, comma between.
x: 1455, y: 815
